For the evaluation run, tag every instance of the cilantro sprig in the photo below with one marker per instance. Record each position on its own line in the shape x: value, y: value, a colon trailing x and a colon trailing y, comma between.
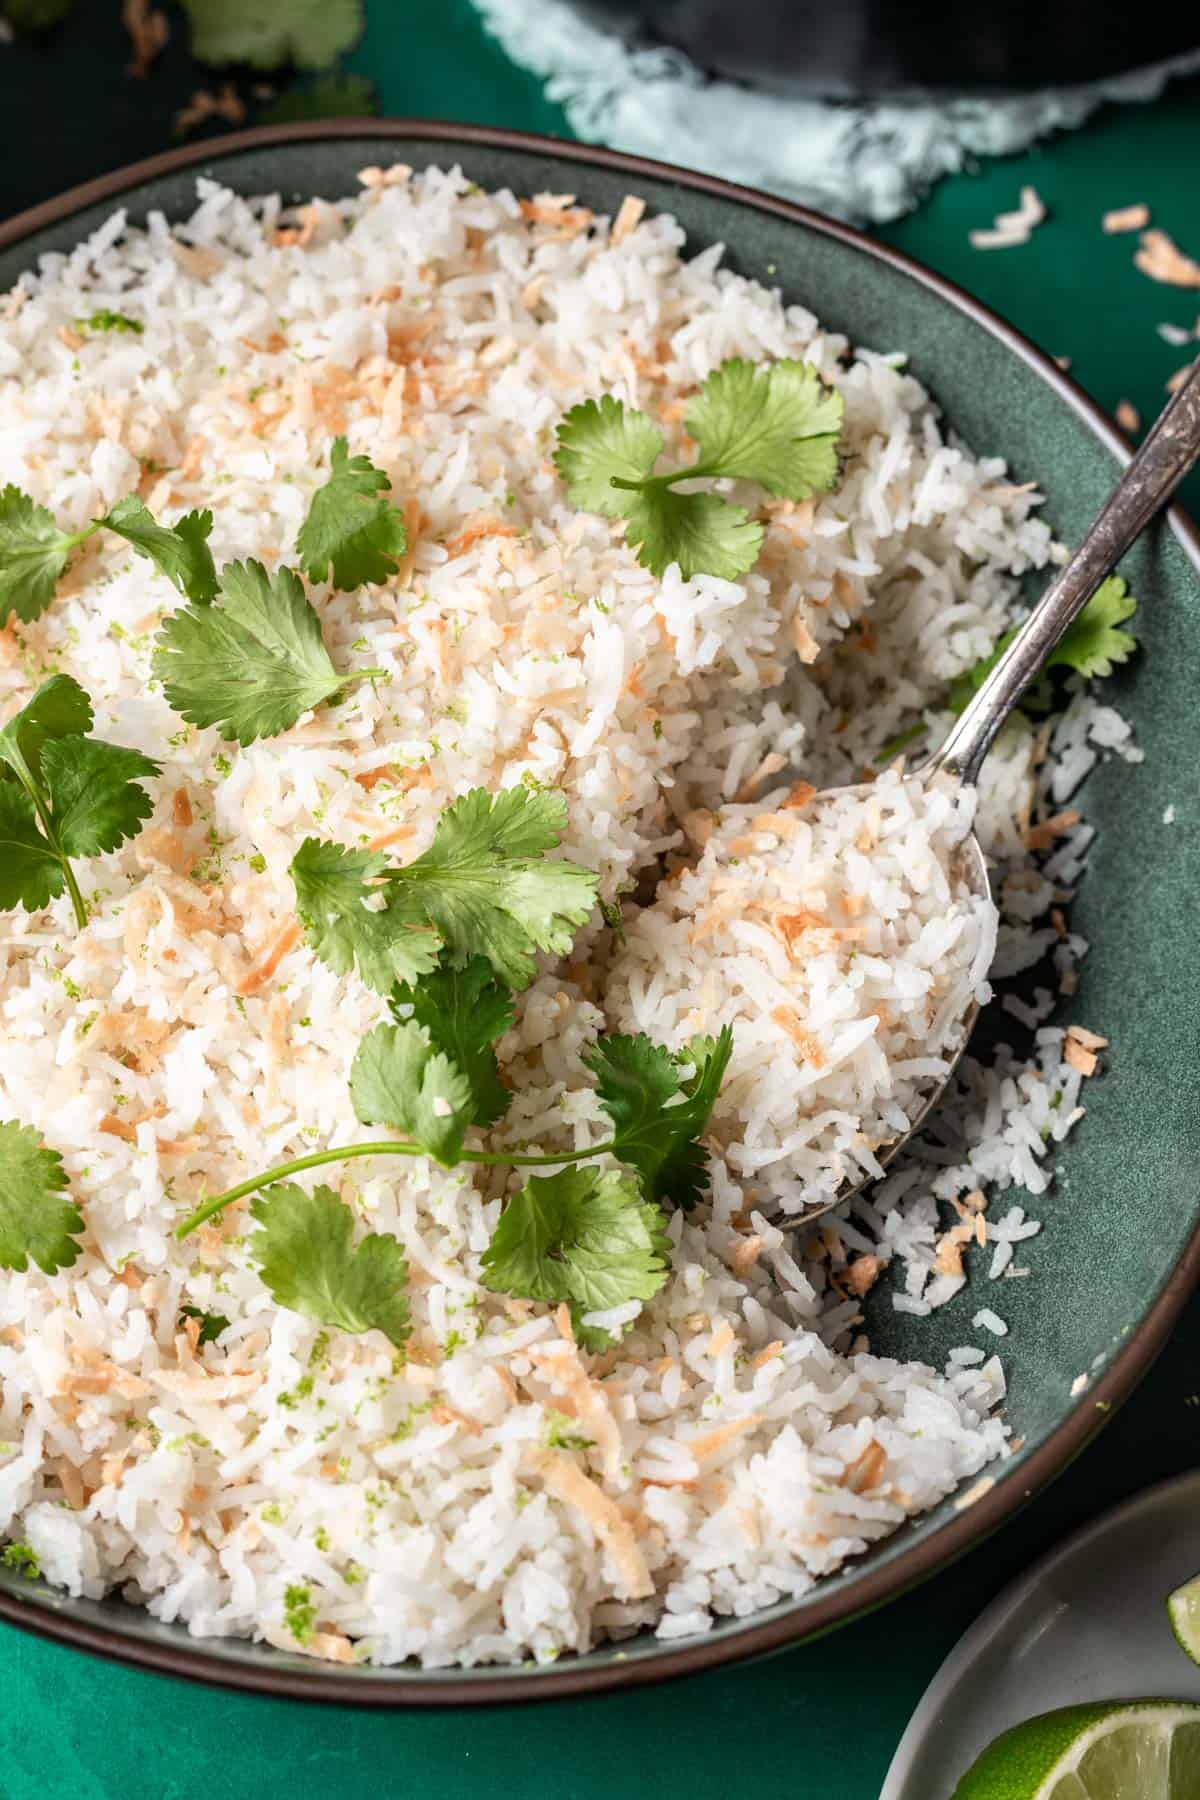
x: 38, y: 1219
x: 483, y: 888
x: 658, y: 1111
x: 34, y: 552
x: 63, y: 795
x: 252, y: 662
x: 586, y: 1236
x: 351, y: 533
x: 1092, y: 646
x: 303, y: 1250
x: 775, y: 426
x: 433, y: 1073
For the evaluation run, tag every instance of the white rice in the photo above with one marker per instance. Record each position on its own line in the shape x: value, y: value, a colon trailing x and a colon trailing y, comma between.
x: 744, y: 1441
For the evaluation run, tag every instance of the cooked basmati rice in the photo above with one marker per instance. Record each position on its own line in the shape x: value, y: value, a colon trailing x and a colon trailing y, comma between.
x: 743, y: 1441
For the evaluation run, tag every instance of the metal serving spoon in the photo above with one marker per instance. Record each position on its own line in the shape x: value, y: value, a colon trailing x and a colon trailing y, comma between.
x: 1169, y: 450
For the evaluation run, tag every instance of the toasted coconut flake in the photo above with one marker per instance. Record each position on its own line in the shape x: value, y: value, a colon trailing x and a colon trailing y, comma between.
x: 475, y: 530
x: 770, y: 765
x: 949, y: 1258
x: 450, y: 1415
x: 1128, y: 417
x: 807, y: 1044
x: 862, y: 1275
x: 628, y: 218
x: 204, y: 1387
x: 566, y: 1481
x: 867, y: 1469
x: 1159, y: 257
x: 1091, y: 1040
x: 709, y: 1443
x: 394, y: 176
x: 1041, y: 836
x: 257, y: 977
x: 746, y: 1254
x: 1079, y: 1057
x: 1127, y: 218
x: 983, y: 1486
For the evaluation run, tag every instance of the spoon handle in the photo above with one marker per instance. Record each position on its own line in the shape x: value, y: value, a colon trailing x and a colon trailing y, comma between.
x: 1168, y: 452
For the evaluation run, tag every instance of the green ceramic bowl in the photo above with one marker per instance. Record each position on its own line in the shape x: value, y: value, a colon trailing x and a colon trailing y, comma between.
x: 1121, y: 1249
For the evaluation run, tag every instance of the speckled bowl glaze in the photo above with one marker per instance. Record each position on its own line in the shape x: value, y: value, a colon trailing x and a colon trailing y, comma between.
x: 1121, y: 1252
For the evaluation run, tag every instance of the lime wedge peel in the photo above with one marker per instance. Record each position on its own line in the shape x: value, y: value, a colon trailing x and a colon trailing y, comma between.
x: 1116, y: 1750
x: 1183, y: 1610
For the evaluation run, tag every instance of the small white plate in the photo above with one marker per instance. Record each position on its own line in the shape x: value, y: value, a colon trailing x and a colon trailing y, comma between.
x: 1088, y: 1622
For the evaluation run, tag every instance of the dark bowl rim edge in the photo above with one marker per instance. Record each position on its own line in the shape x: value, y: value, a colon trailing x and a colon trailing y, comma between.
x: 973, y: 1523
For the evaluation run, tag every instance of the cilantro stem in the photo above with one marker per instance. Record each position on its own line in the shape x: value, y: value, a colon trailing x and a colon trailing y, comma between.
x: 317, y: 1159
x: 25, y: 776
x: 77, y: 900
x: 696, y: 470
x: 363, y: 675
x: 901, y: 741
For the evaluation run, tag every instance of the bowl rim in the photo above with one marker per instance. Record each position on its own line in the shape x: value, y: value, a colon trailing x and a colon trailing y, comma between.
x: 876, y: 1586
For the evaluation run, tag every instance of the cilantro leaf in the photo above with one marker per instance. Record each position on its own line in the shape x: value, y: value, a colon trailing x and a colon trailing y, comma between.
x: 464, y: 1011
x: 349, y: 527
x: 309, y: 33
x: 304, y: 1253
x: 597, y: 440
x: 485, y: 886
x: 180, y: 551
x: 777, y: 426
x: 704, y: 534
x: 585, y: 1236
x: 60, y: 708
x: 336, y: 97
x: 1091, y: 645
x: 38, y: 1218
x: 659, y: 1116
x: 31, y: 875
x: 211, y: 1324
x: 33, y: 554
x: 95, y: 800
x: 333, y: 886
x: 399, y: 1078
x: 253, y: 664
x: 62, y: 794
x: 22, y: 1559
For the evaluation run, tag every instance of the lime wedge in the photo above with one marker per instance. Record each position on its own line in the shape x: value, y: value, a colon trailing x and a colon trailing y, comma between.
x: 1117, y: 1750
x: 1183, y: 1610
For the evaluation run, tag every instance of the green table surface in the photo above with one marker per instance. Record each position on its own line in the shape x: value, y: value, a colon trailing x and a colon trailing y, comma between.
x: 819, y: 1723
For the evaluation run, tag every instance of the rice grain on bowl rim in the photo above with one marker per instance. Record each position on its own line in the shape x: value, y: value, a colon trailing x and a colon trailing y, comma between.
x: 744, y: 1441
